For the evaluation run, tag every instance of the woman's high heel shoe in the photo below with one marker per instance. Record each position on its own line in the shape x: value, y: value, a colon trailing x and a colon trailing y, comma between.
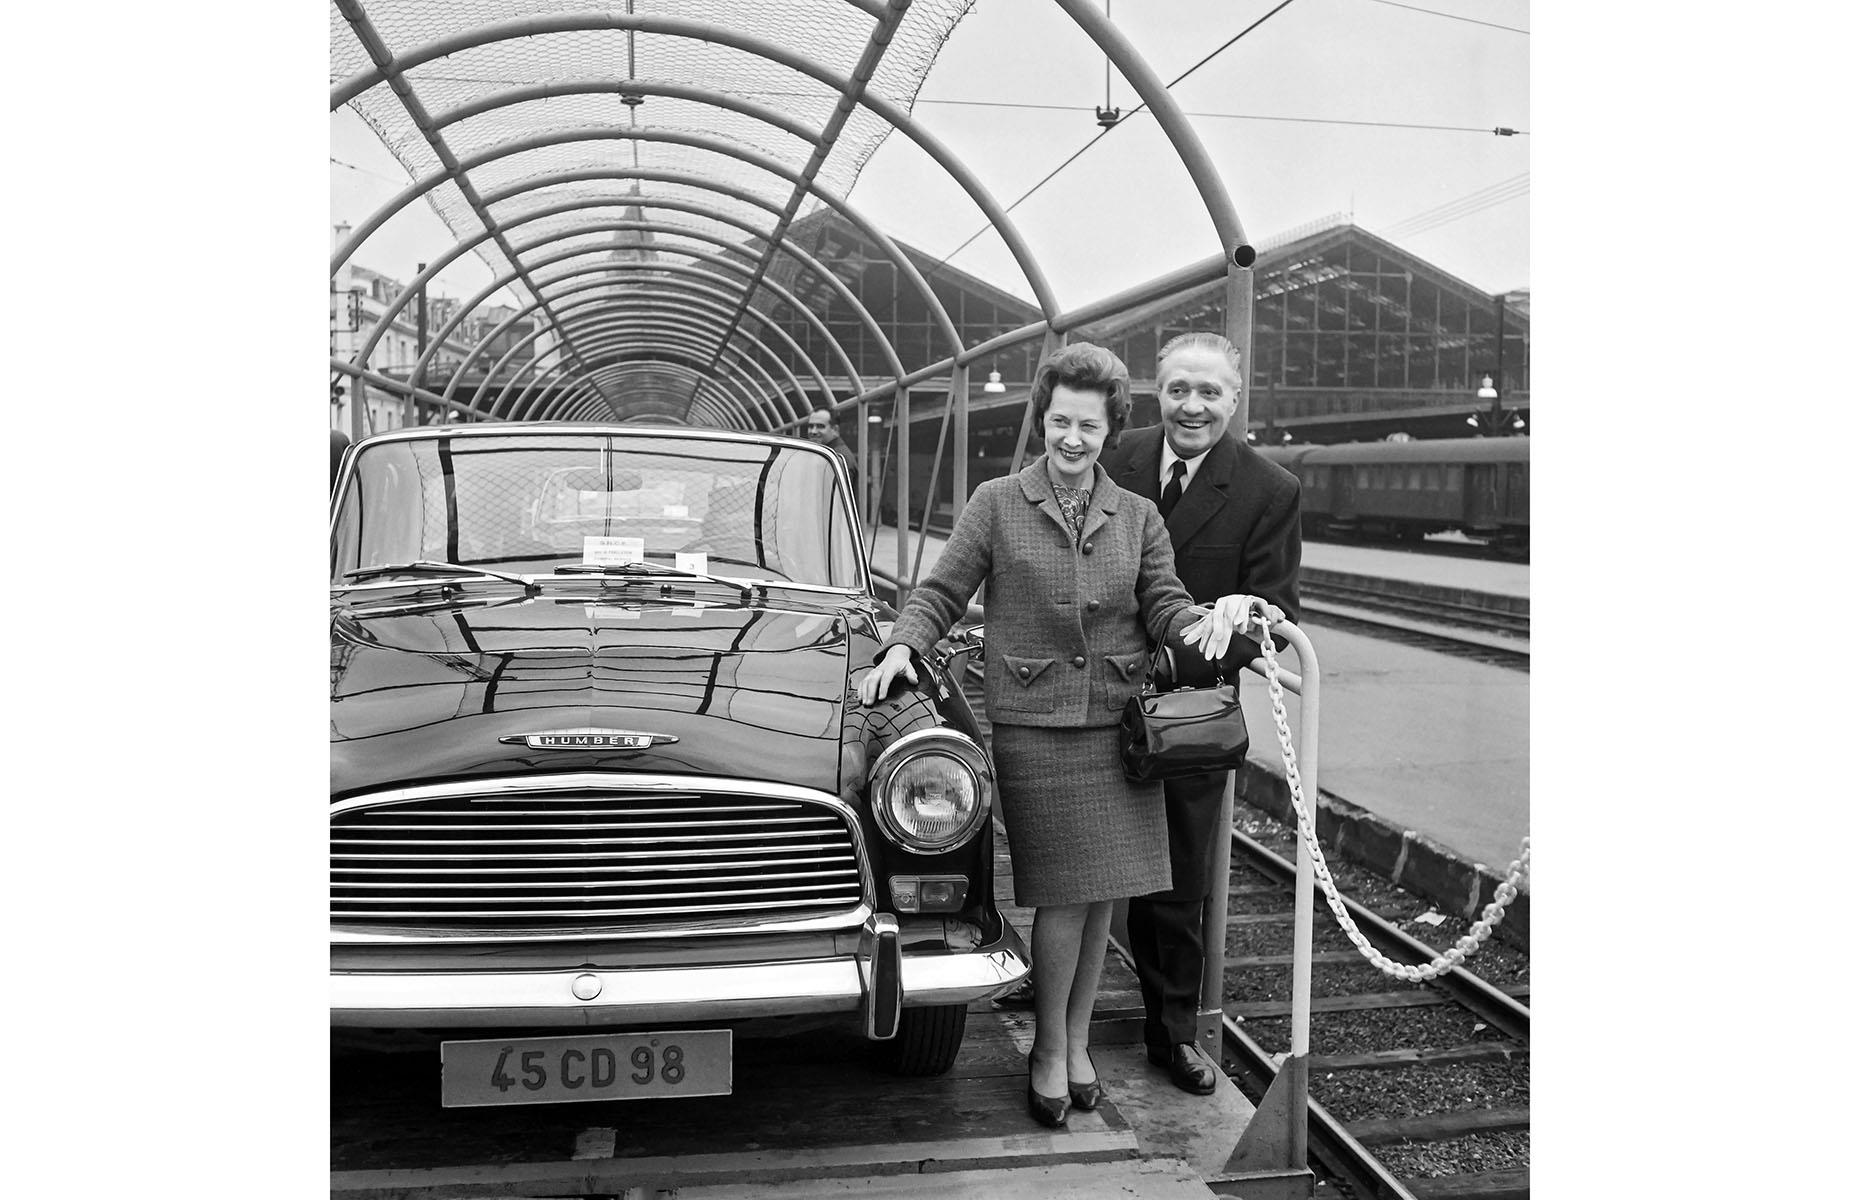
x: 1086, y: 1096
x: 1049, y: 1111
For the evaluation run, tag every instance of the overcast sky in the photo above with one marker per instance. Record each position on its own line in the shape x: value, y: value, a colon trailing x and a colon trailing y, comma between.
x: 1320, y: 104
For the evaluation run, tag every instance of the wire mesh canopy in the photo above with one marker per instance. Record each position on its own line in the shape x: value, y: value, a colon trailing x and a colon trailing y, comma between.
x: 632, y: 170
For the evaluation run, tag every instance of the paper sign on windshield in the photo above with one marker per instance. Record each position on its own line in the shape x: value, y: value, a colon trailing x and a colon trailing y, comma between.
x: 697, y: 562
x: 612, y: 551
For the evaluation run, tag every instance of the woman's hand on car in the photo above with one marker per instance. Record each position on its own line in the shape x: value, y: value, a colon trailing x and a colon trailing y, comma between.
x: 1212, y: 633
x: 877, y: 683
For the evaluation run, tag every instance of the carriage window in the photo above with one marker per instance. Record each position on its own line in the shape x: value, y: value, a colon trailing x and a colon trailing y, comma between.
x: 1414, y: 478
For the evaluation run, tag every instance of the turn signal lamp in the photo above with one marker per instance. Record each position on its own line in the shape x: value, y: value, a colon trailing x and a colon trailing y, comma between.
x: 929, y: 893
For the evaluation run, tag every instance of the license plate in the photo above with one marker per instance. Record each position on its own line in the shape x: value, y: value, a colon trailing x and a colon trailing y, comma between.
x: 616, y: 1066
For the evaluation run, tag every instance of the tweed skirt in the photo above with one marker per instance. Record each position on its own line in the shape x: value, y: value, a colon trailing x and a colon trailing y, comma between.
x: 1077, y: 830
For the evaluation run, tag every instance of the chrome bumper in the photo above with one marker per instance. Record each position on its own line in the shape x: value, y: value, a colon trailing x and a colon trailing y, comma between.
x: 876, y: 982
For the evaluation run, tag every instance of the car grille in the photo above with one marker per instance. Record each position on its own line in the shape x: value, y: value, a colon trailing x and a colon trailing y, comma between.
x: 562, y: 859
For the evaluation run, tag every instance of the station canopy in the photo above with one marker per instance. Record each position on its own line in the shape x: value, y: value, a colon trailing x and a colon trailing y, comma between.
x: 634, y: 170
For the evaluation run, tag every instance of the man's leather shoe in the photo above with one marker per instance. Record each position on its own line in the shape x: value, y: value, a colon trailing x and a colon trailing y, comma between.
x: 1187, y: 1068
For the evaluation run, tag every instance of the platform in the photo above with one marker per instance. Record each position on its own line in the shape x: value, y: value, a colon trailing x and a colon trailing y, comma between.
x: 1424, y: 758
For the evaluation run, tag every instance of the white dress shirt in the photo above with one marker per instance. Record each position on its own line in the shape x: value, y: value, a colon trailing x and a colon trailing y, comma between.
x: 1170, y: 458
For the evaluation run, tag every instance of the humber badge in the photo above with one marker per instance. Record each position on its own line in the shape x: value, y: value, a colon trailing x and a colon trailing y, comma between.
x: 589, y: 739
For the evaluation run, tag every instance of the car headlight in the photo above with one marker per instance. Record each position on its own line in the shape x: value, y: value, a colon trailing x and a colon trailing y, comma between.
x: 931, y: 790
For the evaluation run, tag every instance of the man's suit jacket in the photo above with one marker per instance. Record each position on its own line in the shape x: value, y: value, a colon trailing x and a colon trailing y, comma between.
x: 1235, y: 529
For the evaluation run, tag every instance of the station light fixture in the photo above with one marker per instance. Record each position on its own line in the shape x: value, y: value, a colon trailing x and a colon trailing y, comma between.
x: 994, y: 386
x: 1486, y: 390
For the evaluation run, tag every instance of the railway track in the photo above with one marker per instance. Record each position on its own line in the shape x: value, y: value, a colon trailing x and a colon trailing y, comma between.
x: 1434, y: 611
x: 1495, y: 649
x: 1417, y: 1090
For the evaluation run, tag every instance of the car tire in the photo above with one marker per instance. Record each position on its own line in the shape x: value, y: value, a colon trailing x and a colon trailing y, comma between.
x: 927, y: 1040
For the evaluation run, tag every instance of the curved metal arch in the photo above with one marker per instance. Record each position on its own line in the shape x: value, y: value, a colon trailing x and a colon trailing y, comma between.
x: 998, y: 217
x: 896, y: 117
x: 724, y: 400
x: 687, y: 294
x: 688, y: 374
x: 781, y: 293
x: 608, y: 268
x: 807, y: 260
x: 933, y: 304
x: 615, y: 320
x: 497, y: 402
x: 700, y: 183
x: 675, y: 337
x: 657, y: 268
x: 721, y: 400
x: 1175, y: 127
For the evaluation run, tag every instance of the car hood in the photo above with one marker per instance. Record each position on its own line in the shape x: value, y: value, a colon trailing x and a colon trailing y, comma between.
x: 426, y: 691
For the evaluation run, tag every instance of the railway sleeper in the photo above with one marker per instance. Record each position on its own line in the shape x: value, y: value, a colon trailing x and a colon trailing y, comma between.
x: 1510, y: 1183
x: 1387, y: 1060
x: 1255, y: 1009
x: 1435, y: 1127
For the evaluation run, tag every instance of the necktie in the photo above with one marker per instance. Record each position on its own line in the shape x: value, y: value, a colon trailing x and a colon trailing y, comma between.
x: 1173, y: 491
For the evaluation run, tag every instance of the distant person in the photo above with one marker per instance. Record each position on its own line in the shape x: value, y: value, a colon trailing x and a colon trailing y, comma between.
x: 1079, y: 583
x: 820, y: 428
x: 1233, y: 520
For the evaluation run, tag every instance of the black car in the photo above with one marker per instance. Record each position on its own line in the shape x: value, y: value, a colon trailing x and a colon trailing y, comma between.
x: 602, y: 792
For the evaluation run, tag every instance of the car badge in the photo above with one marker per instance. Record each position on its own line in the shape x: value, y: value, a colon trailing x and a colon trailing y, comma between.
x: 589, y: 739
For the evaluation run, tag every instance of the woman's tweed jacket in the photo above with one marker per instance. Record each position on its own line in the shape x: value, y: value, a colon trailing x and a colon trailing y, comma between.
x: 1069, y: 626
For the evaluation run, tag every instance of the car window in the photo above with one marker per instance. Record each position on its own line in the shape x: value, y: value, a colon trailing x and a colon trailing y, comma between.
x: 530, y: 503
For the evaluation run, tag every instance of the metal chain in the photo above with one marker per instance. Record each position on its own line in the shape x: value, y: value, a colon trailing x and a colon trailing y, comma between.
x: 1307, y: 826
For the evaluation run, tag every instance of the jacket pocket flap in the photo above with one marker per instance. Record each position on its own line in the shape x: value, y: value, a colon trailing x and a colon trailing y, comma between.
x: 1129, y: 666
x: 1026, y: 670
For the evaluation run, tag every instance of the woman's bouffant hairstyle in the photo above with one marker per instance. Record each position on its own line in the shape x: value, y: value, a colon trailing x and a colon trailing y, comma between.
x: 1089, y: 368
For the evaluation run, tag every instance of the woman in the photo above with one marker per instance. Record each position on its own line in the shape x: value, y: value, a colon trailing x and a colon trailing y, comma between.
x: 1080, y: 581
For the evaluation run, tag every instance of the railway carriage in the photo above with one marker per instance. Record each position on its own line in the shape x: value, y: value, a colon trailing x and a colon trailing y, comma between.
x: 1476, y: 486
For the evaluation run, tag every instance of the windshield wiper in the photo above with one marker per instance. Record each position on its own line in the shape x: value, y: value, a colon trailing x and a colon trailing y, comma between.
x: 429, y: 567
x: 645, y: 568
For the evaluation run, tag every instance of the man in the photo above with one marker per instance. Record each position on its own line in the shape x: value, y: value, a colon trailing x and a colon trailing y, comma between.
x: 1233, y: 518
x: 820, y: 428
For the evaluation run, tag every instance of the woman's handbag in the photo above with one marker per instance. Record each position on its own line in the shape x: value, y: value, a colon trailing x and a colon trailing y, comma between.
x: 1169, y: 732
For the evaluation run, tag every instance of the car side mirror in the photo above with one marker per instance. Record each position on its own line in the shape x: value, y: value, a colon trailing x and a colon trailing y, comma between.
x: 966, y: 640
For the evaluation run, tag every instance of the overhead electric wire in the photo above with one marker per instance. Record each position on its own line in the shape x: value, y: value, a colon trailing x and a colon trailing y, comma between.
x: 1229, y: 116
x: 1107, y: 129
x: 1453, y: 17
x: 1415, y: 225
x: 1463, y: 206
x: 366, y: 171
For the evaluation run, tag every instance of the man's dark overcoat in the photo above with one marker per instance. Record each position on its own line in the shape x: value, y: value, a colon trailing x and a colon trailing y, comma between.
x: 1235, y: 529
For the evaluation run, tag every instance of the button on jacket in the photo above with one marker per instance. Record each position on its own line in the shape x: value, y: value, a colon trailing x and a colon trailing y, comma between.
x: 1069, y: 624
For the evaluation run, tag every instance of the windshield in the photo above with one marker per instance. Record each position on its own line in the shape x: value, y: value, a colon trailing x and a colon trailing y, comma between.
x: 530, y: 503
